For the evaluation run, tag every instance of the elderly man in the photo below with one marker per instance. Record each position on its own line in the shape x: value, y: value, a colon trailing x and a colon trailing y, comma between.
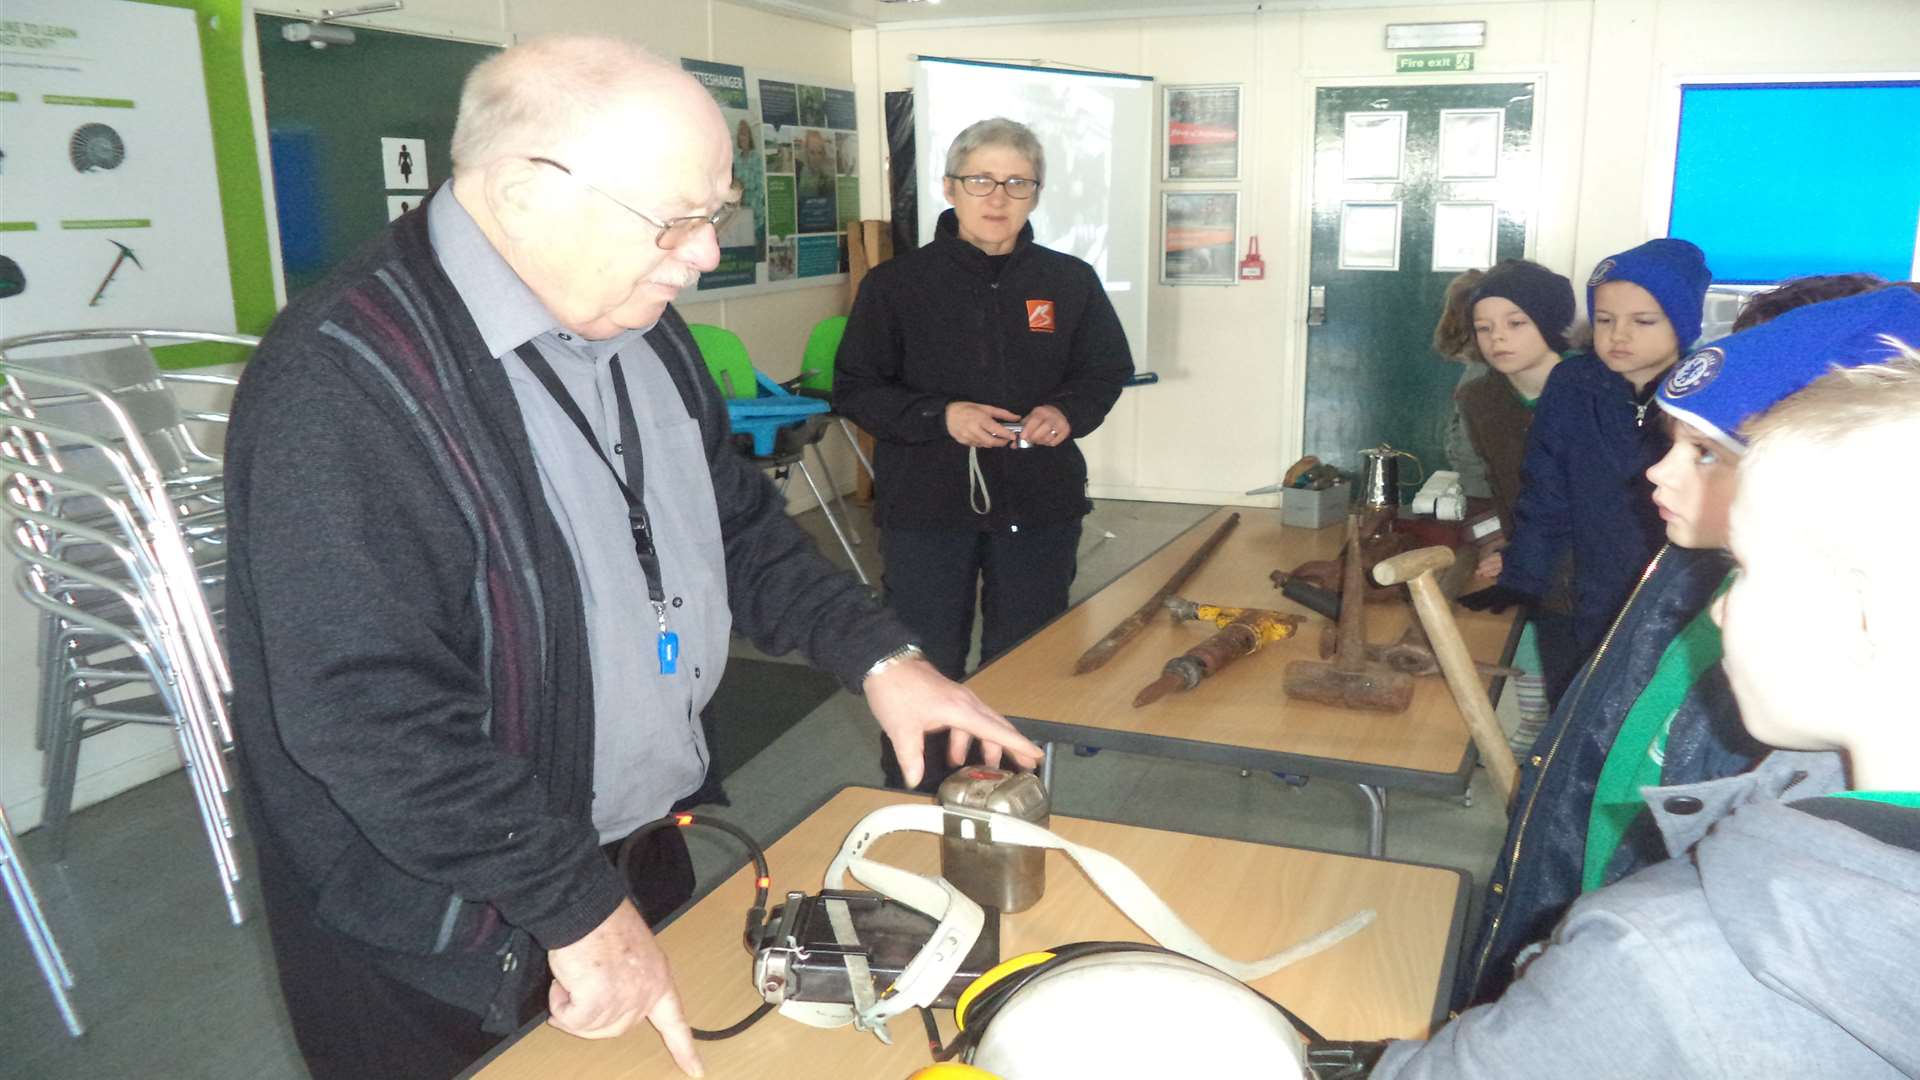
x: 488, y: 545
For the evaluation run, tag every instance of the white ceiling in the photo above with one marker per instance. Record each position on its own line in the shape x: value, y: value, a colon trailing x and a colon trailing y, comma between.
x: 872, y: 13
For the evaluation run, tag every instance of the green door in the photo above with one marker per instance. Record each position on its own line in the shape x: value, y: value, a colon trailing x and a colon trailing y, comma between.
x: 329, y: 112
x: 1411, y: 185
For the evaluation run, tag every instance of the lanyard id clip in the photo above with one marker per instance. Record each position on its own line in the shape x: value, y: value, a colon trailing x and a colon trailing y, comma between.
x: 667, y: 646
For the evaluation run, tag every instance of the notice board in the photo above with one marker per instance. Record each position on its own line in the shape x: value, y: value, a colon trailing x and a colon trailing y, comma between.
x: 110, y: 190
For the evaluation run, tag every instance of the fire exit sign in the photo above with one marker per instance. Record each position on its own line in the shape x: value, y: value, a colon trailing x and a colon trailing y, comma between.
x: 1461, y: 60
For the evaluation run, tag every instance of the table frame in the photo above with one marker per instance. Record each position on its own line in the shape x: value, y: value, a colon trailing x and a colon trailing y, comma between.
x: 1374, y: 781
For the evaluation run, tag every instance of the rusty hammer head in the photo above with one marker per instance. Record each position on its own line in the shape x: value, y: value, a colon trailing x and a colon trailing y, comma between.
x: 1352, y: 681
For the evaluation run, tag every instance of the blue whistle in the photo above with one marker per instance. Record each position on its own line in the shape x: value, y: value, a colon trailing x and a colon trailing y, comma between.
x: 669, y: 650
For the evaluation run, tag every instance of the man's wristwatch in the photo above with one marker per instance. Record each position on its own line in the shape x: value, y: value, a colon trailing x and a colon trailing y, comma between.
x: 900, y: 655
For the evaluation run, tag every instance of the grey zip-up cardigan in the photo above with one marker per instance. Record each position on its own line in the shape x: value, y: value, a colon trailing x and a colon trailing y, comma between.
x: 412, y: 694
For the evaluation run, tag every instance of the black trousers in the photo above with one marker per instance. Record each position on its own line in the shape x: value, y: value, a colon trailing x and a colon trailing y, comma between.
x: 354, y: 1023
x: 932, y: 579
x: 1561, y: 655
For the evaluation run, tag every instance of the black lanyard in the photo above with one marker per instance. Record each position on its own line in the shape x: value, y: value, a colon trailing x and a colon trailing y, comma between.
x: 632, y: 486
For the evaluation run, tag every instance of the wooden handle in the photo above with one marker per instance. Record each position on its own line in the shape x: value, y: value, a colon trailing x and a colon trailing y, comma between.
x: 1352, y: 653
x: 1450, y: 649
x: 1408, y: 565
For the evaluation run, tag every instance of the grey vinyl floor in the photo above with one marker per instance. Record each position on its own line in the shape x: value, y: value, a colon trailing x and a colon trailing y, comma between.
x: 168, y: 988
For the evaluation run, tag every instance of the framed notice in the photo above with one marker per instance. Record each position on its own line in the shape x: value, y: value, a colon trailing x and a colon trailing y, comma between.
x: 1375, y: 145
x: 1470, y: 142
x: 1200, y: 231
x: 108, y: 185
x: 1464, y: 234
x: 796, y: 158
x: 1203, y: 132
x: 1369, y: 235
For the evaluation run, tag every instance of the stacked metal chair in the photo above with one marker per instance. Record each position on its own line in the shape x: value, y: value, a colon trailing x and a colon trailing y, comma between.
x: 46, y: 951
x: 116, y: 518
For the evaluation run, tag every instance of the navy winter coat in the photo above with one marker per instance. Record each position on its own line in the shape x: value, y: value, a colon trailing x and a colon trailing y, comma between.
x: 1584, y: 486
x: 1538, y: 873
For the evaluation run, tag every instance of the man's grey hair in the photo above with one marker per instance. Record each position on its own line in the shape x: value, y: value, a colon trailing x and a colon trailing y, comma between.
x: 547, y: 94
x: 998, y: 131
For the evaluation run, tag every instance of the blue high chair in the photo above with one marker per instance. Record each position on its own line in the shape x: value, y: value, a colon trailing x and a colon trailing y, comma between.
x: 773, y: 426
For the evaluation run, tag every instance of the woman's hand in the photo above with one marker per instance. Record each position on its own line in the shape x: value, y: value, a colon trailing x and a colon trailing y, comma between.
x: 1046, y: 426
x: 973, y: 424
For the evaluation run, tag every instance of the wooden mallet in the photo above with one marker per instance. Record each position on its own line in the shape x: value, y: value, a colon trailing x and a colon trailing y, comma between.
x: 1416, y: 569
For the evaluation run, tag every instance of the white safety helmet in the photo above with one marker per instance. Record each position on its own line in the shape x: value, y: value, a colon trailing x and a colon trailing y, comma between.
x: 1123, y: 1011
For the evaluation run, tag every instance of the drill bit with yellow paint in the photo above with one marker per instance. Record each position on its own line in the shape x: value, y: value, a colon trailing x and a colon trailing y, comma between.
x: 1242, y: 632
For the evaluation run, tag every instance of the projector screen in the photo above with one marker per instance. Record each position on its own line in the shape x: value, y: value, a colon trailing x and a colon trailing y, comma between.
x: 1780, y: 180
x: 1097, y: 131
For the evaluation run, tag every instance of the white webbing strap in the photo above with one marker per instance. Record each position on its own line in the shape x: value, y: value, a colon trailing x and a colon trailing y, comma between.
x: 977, y: 496
x: 1121, y: 885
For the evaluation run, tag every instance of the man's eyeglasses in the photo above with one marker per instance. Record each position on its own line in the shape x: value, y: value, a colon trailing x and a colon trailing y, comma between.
x: 673, y: 231
x: 1018, y: 187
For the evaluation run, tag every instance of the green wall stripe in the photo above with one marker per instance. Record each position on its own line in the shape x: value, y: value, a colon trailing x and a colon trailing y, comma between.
x: 243, y: 206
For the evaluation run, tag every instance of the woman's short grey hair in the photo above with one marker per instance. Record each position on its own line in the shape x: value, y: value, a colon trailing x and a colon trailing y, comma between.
x: 998, y: 131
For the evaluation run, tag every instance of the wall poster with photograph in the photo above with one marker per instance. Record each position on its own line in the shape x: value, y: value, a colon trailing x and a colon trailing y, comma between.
x: 1200, y: 232
x: 1203, y: 132
x: 796, y: 160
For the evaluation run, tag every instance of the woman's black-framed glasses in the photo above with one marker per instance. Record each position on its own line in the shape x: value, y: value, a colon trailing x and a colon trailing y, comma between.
x: 1018, y: 187
x: 673, y: 231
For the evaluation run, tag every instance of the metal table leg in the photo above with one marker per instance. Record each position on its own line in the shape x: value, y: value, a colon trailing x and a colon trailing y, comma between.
x: 1046, y: 767
x: 1376, y: 819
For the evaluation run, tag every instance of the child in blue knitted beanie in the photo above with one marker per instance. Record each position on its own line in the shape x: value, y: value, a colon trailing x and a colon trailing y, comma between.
x: 1784, y: 934
x: 1583, y: 484
x: 1654, y: 707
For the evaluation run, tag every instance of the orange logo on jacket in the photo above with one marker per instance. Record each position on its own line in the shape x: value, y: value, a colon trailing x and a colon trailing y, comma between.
x: 1040, y: 316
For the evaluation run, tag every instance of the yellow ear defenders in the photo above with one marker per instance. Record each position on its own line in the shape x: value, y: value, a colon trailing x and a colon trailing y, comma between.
x: 991, y: 978
x: 952, y: 1070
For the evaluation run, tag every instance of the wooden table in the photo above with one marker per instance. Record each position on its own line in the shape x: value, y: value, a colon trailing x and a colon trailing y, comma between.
x: 1248, y: 899
x: 1240, y: 717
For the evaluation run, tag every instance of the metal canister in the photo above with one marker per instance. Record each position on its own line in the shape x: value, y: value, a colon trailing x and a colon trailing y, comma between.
x: 1380, y: 477
x: 1006, y: 876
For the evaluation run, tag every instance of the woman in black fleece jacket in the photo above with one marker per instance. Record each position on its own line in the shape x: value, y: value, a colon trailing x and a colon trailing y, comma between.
x: 976, y: 361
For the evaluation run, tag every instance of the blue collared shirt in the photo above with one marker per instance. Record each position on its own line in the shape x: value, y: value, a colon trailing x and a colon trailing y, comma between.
x: 649, y: 749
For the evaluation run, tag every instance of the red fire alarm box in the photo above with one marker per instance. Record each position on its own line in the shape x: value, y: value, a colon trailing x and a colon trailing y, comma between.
x: 1253, y: 268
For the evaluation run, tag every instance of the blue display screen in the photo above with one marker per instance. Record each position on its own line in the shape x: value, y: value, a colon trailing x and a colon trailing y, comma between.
x: 1777, y: 181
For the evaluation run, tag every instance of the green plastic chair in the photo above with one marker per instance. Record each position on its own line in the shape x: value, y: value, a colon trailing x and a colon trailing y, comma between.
x: 816, y: 375
x: 816, y: 363
x: 727, y: 361
x: 739, y: 381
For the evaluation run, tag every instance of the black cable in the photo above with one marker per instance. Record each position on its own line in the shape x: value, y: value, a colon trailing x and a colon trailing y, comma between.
x: 735, y: 1028
x: 756, y: 915
x: 939, y: 1052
